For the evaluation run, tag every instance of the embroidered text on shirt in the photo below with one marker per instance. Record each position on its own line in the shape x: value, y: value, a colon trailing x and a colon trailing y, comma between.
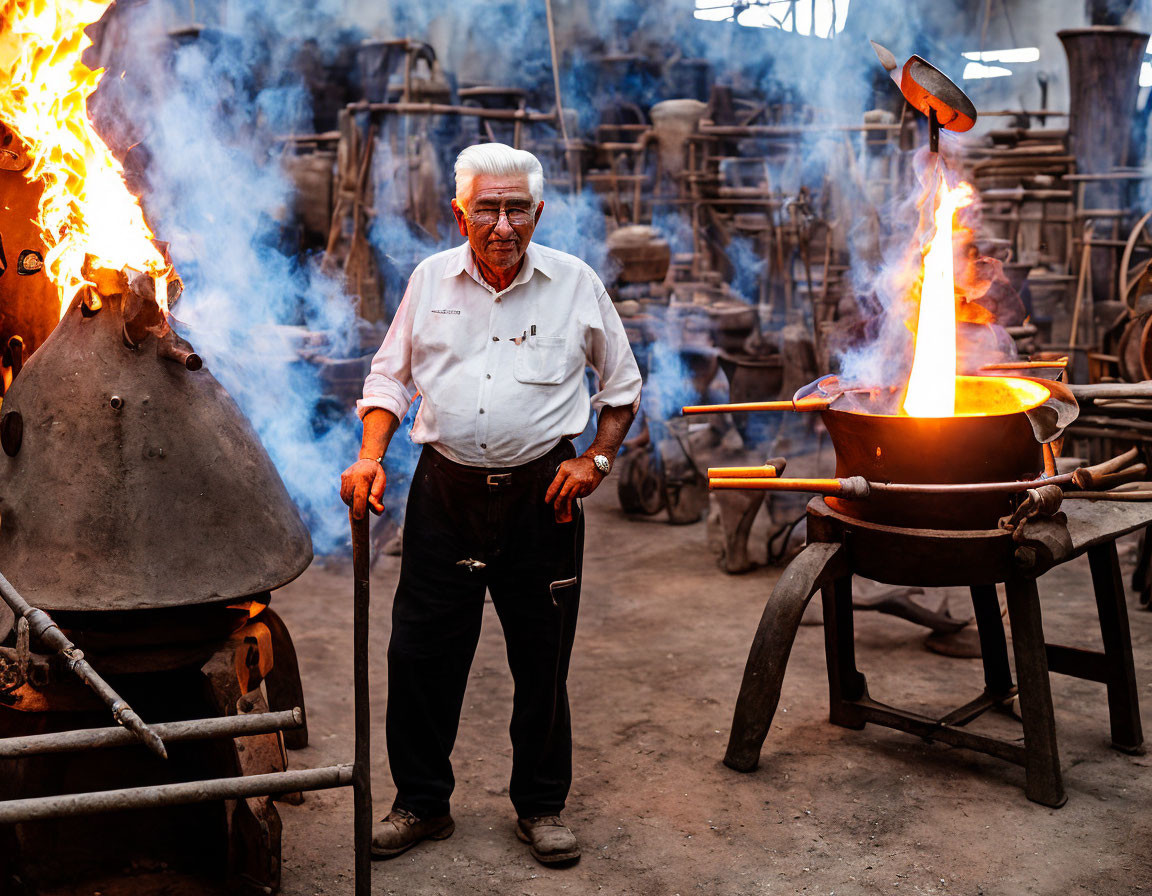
x: 445, y: 311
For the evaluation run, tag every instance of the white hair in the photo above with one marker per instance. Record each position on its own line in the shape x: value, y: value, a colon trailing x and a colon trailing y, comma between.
x: 499, y: 159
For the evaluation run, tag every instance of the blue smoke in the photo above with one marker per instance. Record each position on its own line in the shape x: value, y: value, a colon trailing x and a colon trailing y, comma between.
x: 207, y: 112
x: 197, y: 116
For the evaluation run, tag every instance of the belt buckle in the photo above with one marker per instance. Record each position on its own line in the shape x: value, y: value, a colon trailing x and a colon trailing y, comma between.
x: 496, y: 480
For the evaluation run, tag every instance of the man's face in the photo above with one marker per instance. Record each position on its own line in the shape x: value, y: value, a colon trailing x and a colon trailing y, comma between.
x: 498, y: 243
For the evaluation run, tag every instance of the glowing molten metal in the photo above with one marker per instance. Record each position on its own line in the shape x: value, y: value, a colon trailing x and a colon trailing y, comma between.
x: 85, y: 208
x: 932, y: 383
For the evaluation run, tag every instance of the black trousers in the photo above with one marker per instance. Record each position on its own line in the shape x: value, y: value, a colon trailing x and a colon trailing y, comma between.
x: 531, y: 566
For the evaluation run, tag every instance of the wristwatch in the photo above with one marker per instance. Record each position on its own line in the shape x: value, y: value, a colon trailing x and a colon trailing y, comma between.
x: 602, y: 464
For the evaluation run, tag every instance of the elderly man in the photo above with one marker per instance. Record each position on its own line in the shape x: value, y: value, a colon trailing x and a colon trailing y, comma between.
x: 495, y: 337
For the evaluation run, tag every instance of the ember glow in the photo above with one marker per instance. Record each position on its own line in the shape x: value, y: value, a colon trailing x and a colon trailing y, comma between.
x: 932, y: 382
x: 85, y: 209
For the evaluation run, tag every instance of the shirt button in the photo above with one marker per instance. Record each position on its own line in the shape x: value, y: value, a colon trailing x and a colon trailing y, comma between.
x: 481, y: 410
x: 495, y: 338
x: 497, y: 298
x: 487, y: 376
x: 483, y: 444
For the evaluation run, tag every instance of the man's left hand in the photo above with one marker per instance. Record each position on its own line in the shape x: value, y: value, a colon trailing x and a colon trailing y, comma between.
x: 576, y: 478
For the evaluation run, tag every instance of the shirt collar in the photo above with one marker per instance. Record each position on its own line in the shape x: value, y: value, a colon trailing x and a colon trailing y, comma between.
x: 463, y: 262
x: 458, y: 262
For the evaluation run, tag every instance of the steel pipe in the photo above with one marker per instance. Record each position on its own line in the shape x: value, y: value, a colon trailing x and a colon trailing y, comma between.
x: 859, y: 487
x: 73, y: 804
x: 1111, y: 473
x: 966, y: 488
x: 1144, y: 494
x: 1092, y: 391
x: 46, y: 631
x: 173, y: 348
x: 169, y: 732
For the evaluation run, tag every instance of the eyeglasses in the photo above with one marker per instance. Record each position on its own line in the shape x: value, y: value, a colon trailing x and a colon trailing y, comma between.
x: 487, y: 217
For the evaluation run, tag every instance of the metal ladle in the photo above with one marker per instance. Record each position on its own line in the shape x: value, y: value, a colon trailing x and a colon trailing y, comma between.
x: 931, y: 92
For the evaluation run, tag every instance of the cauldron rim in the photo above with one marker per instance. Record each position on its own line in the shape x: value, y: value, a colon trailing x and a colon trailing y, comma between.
x: 1042, y: 394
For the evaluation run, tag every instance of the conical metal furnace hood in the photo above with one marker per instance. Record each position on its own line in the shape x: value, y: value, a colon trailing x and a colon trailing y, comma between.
x: 129, y: 482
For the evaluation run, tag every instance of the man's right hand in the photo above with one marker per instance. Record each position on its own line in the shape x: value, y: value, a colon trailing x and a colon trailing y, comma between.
x: 362, y: 485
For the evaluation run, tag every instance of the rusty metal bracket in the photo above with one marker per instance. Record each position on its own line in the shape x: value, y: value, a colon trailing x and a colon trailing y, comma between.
x: 1045, y: 543
x: 1038, y: 502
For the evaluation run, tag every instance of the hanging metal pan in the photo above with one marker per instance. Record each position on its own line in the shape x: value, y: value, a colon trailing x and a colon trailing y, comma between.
x: 930, y: 91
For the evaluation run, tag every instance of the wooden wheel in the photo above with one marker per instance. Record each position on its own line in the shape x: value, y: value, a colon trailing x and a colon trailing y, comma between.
x: 1137, y: 254
x: 1146, y: 349
x: 1134, y: 349
x: 1128, y: 351
x: 640, y: 488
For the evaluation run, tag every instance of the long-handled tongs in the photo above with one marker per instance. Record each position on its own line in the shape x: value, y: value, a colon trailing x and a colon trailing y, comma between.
x: 1092, y: 481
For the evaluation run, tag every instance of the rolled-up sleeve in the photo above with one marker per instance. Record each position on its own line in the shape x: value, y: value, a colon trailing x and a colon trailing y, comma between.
x: 389, y: 383
x: 610, y: 355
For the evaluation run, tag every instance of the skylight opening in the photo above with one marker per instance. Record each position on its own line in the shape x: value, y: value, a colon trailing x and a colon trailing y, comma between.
x: 1020, y: 54
x: 975, y: 70
x: 811, y: 18
x: 978, y: 67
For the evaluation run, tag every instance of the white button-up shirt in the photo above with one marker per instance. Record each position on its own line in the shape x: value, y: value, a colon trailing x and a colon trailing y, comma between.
x: 501, y: 374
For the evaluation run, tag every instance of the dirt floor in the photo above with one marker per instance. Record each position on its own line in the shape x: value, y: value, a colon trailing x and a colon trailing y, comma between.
x: 659, y: 654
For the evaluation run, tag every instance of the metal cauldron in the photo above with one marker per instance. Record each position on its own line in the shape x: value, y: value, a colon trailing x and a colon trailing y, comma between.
x: 959, y: 472
x: 882, y: 446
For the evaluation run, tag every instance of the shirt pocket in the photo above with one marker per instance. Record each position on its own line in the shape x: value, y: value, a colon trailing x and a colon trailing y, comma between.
x: 541, y: 360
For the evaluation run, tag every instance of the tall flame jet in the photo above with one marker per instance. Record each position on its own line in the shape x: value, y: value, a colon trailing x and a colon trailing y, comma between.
x: 86, y: 208
x: 932, y: 382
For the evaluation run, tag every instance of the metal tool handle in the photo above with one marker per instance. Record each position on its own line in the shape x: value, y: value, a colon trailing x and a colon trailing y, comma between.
x: 771, y: 469
x: 850, y: 487
x: 1092, y: 391
x: 1060, y: 363
x: 807, y: 403
x: 1089, y: 479
x: 1119, y: 462
x: 1140, y: 491
x: 361, y: 767
x: 1110, y: 473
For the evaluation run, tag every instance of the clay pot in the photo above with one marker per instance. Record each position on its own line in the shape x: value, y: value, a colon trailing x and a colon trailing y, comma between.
x: 673, y: 122
x: 642, y: 253
x: 732, y: 324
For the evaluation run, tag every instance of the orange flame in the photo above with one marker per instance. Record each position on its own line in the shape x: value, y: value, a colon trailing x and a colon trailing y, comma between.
x: 85, y: 208
x: 932, y: 382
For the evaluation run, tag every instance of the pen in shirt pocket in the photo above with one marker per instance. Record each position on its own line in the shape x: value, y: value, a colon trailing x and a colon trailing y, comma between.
x: 518, y: 339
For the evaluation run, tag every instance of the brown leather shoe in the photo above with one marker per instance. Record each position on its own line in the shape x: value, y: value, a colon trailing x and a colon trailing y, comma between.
x: 402, y: 830
x: 548, y: 838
